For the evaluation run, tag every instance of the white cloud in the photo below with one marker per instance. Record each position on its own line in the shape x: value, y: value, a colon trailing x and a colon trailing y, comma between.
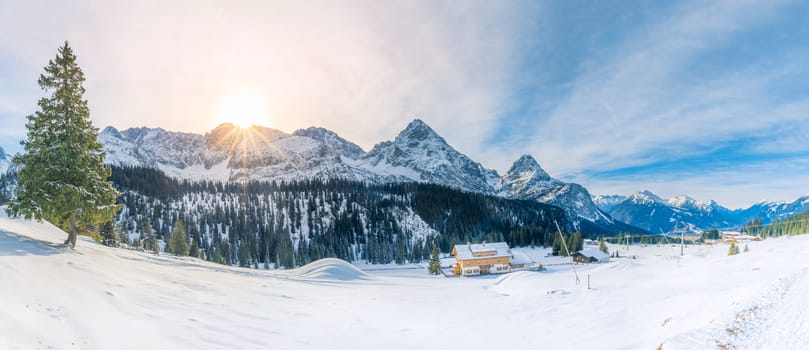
x: 364, y: 68
x: 642, y: 106
x: 361, y: 68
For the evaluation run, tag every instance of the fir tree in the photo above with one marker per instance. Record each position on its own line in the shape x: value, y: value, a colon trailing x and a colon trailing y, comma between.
x: 121, y: 234
x: 603, y: 247
x: 149, y: 238
x: 61, y: 176
x: 194, y: 249
x: 746, y: 249
x: 576, y: 242
x: 108, y: 235
x: 732, y: 250
x: 178, y: 244
x: 435, y: 263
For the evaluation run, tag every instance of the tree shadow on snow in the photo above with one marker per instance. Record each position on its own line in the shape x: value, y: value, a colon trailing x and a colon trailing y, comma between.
x: 15, y: 245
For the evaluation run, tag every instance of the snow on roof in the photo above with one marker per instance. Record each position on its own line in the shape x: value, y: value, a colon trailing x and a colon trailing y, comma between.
x: 465, y: 251
x: 521, y: 258
x: 593, y: 253
x: 482, y: 248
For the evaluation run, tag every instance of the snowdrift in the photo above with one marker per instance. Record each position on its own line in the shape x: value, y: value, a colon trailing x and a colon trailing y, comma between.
x: 40, y: 231
x: 518, y: 282
x: 329, y: 269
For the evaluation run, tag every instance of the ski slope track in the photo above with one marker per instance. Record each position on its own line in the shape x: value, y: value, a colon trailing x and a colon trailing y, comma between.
x: 96, y: 297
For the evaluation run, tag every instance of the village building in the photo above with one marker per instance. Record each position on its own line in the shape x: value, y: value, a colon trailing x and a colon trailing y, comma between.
x: 590, y: 255
x: 738, y: 237
x: 488, y: 258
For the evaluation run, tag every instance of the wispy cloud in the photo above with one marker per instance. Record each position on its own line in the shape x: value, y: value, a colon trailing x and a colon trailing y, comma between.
x: 652, y: 104
x: 618, y: 96
x: 361, y: 68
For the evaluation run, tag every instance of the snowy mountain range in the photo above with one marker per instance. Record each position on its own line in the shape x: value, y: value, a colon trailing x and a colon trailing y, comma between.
x: 772, y: 211
x: 416, y: 154
x: 646, y: 210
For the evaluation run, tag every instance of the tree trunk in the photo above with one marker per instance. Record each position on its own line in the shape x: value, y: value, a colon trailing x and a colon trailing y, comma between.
x: 73, y: 231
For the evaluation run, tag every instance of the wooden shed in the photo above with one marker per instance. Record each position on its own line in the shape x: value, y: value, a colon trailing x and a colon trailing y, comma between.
x: 590, y: 255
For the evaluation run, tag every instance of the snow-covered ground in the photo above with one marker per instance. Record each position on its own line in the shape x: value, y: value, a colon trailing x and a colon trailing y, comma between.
x: 102, y: 298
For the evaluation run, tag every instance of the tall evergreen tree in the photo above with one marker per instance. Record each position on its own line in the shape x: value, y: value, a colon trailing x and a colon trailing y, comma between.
x: 178, y: 244
x: 575, y: 243
x: 603, y: 247
x: 108, y: 235
x: 149, y: 237
x: 61, y: 176
x: 435, y: 263
x: 194, y: 249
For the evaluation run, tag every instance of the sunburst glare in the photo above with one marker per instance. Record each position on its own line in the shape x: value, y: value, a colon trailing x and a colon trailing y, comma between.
x: 244, y: 110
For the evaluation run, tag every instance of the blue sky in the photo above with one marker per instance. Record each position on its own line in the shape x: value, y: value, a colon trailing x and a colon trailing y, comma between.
x: 709, y: 99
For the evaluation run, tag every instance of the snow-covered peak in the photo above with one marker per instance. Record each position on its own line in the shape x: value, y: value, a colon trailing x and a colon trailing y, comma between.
x: 607, y: 202
x: 418, y: 130
x: 683, y: 201
x: 526, y: 180
x: 646, y: 197
x: 418, y: 153
x: 110, y: 131
x: 331, y: 140
x: 528, y: 167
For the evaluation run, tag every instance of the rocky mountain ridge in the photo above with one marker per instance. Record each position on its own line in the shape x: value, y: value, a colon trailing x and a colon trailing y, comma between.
x: 417, y: 153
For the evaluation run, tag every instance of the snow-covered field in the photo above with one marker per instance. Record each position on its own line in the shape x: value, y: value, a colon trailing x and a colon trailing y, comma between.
x: 102, y: 298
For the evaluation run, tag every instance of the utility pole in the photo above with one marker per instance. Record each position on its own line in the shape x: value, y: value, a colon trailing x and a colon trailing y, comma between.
x: 564, y: 244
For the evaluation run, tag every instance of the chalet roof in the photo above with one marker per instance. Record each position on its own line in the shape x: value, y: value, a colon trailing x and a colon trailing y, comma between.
x: 464, y: 251
x: 593, y: 253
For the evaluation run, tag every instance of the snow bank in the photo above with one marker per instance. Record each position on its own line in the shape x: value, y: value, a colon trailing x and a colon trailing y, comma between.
x: 520, y: 282
x: 41, y: 231
x: 329, y: 269
x: 96, y: 297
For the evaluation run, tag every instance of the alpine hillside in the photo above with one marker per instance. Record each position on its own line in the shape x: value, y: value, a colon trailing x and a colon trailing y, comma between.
x: 291, y: 223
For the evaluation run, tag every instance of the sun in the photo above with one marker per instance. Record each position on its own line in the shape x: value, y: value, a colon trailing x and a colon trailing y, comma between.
x: 244, y: 110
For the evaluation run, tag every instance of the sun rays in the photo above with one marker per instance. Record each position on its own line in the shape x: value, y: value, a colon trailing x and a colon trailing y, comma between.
x: 244, y: 110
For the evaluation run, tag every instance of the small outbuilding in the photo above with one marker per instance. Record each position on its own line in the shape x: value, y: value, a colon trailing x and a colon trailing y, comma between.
x: 590, y: 255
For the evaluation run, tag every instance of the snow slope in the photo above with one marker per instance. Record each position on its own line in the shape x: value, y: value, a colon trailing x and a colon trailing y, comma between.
x: 100, y: 298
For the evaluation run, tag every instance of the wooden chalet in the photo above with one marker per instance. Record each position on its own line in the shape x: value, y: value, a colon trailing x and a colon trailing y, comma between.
x: 488, y: 258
